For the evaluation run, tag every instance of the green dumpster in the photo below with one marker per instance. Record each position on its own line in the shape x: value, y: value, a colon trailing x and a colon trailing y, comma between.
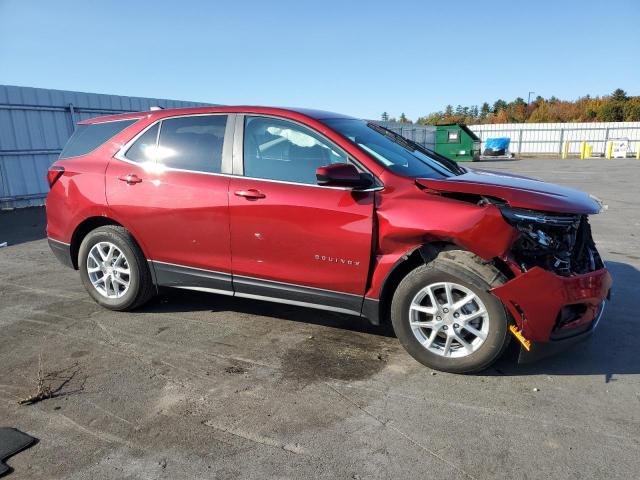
x: 456, y: 142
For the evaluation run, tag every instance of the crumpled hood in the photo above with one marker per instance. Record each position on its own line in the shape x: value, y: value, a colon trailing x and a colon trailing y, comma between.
x: 517, y: 191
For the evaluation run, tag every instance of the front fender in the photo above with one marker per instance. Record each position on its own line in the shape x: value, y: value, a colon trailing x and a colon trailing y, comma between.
x: 408, y: 220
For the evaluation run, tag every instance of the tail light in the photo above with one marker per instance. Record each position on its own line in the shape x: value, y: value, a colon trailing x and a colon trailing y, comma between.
x: 54, y: 173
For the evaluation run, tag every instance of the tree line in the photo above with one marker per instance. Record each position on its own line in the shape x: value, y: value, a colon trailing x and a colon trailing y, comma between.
x: 617, y: 107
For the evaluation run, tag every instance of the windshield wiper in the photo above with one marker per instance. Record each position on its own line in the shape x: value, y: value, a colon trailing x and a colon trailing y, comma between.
x: 393, y: 136
x: 411, y: 145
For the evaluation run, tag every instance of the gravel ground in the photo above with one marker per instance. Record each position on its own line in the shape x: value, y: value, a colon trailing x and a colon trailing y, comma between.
x: 204, y: 386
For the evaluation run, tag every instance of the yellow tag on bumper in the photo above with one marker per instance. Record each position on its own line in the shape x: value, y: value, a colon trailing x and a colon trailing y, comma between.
x: 518, y: 334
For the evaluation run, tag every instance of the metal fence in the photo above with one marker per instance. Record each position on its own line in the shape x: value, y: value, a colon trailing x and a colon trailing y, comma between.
x: 35, y: 123
x: 548, y: 138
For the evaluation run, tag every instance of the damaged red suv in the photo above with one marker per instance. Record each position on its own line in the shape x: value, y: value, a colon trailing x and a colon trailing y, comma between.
x: 327, y: 211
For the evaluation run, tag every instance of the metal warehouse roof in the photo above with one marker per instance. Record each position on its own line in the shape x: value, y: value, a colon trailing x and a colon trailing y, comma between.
x: 35, y: 123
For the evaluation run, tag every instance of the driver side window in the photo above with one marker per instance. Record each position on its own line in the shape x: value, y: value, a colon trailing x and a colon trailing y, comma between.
x: 277, y: 149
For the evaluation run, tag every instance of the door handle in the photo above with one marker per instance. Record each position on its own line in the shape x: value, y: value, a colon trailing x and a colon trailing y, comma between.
x: 131, y: 178
x: 251, y: 194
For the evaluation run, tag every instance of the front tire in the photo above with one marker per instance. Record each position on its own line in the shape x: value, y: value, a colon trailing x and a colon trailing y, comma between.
x: 114, y: 270
x: 446, y: 318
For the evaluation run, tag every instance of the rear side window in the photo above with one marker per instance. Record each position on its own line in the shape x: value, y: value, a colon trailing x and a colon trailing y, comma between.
x: 143, y: 149
x: 192, y: 143
x: 87, y: 138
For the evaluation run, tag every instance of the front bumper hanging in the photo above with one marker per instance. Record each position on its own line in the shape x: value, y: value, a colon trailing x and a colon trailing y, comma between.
x: 537, y: 298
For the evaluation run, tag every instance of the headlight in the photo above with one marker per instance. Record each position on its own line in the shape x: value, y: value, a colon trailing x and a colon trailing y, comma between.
x: 519, y: 216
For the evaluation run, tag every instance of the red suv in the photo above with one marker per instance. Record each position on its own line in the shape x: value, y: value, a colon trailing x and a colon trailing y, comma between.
x: 327, y: 211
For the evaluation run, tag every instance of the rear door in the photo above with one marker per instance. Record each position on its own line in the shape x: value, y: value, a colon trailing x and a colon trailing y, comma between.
x: 166, y: 187
x: 290, y: 238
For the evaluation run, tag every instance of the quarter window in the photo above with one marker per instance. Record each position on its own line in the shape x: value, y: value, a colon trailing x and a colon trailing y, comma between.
x: 87, y: 138
x: 280, y: 150
x: 143, y: 149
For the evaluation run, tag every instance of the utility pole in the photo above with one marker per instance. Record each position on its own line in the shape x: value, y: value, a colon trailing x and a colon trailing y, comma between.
x: 529, y: 98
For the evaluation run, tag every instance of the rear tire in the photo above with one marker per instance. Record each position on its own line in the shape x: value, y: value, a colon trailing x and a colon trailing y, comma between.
x: 114, y: 270
x: 434, y: 324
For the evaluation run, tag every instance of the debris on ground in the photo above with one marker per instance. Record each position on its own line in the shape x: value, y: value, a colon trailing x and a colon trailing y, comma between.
x: 235, y: 369
x: 50, y: 384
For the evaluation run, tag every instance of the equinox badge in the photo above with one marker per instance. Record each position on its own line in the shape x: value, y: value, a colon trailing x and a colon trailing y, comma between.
x: 343, y: 261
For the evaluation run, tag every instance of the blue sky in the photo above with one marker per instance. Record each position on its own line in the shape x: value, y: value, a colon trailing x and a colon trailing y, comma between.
x: 355, y: 57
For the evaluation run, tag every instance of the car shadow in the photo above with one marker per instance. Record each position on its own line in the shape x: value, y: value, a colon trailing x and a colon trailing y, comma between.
x: 176, y: 300
x: 612, y: 349
x: 22, y: 225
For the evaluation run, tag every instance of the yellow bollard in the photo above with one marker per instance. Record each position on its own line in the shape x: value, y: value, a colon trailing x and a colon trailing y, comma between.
x: 589, y: 151
x: 638, y: 150
x: 609, y: 150
x: 565, y: 150
x: 583, y: 150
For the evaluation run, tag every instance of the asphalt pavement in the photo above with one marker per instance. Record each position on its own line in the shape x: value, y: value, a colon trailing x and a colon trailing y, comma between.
x: 196, y: 385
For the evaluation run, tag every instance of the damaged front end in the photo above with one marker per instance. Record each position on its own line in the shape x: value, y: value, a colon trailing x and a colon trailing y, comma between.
x: 561, y: 283
x: 561, y: 243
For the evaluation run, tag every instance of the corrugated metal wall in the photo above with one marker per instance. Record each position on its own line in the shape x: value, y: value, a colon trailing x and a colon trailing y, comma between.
x: 35, y: 123
x: 547, y: 138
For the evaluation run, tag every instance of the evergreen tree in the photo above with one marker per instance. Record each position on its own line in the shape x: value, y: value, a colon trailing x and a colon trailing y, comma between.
x: 385, y: 116
x: 485, y: 110
x: 499, y: 106
x: 619, y: 95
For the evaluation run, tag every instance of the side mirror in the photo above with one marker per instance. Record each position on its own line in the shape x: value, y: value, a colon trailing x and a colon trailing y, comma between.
x: 342, y: 175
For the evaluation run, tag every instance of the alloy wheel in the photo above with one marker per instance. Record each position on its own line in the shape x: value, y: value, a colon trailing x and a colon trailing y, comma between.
x: 448, y: 319
x: 108, y: 270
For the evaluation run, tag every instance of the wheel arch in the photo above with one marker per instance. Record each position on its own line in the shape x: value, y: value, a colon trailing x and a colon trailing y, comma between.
x: 86, y: 226
x: 379, y: 312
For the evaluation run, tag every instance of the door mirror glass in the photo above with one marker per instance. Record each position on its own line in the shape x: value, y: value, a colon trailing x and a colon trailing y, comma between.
x: 342, y: 175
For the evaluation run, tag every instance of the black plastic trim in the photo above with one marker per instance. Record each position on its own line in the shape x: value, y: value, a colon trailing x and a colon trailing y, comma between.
x: 171, y: 275
x: 180, y: 276
x: 297, y: 294
x: 62, y: 251
x: 541, y: 350
x: 371, y: 310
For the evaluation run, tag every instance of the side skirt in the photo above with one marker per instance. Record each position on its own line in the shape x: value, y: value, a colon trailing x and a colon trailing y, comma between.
x: 179, y: 276
x: 190, y: 278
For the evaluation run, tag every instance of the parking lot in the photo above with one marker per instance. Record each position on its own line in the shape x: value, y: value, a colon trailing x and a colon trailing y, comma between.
x: 204, y: 386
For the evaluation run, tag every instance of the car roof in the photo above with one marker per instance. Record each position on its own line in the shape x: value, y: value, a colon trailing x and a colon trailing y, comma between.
x: 170, y: 112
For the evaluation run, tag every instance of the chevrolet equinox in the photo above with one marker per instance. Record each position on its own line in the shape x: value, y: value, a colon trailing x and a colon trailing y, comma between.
x: 327, y: 211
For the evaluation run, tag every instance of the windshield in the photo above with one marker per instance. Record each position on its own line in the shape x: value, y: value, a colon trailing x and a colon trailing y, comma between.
x: 395, y: 152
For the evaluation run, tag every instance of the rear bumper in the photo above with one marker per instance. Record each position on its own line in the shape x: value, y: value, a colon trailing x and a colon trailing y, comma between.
x: 62, y: 251
x: 539, y: 301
